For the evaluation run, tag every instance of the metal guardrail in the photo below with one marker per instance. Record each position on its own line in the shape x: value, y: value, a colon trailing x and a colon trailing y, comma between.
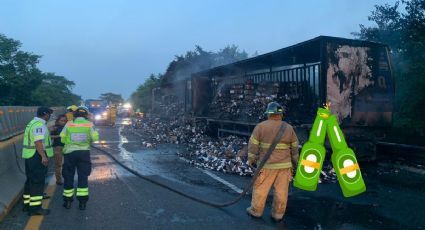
x: 13, y: 119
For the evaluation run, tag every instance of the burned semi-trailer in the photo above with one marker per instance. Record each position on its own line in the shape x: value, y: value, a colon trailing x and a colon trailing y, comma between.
x: 353, y: 75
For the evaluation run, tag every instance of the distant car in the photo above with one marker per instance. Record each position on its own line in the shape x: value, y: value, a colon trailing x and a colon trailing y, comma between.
x: 125, y: 110
x: 101, y: 113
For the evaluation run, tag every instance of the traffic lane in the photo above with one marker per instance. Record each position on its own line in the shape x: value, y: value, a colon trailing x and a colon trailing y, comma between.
x: 121, y: 201
x: 373, y: 209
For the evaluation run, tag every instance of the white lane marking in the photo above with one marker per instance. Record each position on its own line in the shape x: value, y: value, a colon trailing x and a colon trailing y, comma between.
x: 337, y: 134
x: 223, y: 181
x: 113, y: 142
x: 320, y: 128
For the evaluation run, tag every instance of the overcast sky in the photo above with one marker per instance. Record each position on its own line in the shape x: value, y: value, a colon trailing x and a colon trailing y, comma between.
x: 112, y: 46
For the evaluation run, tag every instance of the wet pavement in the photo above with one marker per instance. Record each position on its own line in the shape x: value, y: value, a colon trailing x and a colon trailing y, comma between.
x: 118, y: 200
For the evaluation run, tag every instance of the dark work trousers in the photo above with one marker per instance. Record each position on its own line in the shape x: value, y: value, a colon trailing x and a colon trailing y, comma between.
x: 36, y: 174
x: 77, y: 160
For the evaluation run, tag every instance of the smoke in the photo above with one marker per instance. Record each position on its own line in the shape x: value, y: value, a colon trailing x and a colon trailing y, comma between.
x: 183, y: 66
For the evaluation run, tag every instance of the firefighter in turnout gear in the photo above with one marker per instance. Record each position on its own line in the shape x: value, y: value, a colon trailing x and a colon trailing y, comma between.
x: 277, y: 171
x: 36, y: 150
x: 77, y: 135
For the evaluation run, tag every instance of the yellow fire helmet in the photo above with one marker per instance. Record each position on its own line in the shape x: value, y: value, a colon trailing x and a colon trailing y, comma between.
x: 72, y: 108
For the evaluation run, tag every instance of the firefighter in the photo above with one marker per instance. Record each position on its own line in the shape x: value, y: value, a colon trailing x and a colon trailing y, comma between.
x: 77, y: 135
x: 70, y: 112
x: 36, y: 150
x: 277, y: 171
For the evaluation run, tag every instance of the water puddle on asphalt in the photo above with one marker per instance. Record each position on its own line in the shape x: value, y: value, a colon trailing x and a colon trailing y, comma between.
x: 126, y: 155
x: 145, y: 161
x: 328, y: 212
x: 160, y: 161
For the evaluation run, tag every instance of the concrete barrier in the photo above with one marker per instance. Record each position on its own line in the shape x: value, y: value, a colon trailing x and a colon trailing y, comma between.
x: 3, y: 124
x: 12, y: 176
x: 13, y: 120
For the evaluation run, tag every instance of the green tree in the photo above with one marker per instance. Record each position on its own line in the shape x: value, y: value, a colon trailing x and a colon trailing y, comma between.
x: 55, y: 91
x: 112, y: 98
x: 183, y: 66
x: 229, y: 54
x: 22, y: 83
x: 18, y: 73
x: 142, y: 97
x: 404, y: 31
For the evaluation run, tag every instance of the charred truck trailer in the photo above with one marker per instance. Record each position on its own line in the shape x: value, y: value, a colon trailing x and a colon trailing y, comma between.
x: 354, y: 75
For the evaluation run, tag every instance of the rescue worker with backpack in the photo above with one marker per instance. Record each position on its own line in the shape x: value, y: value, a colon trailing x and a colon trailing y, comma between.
x: 77, y: 135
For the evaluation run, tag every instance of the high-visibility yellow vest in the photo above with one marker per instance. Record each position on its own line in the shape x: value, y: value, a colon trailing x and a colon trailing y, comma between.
x: 29, y: 149
x: 78, y: 135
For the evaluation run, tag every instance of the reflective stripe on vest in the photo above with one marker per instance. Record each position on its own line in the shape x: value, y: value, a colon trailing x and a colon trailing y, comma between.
x: 278, y: 146
x: 80, y: 125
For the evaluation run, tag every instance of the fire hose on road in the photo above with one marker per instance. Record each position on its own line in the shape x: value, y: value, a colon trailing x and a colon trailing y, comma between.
x: 197, y: 199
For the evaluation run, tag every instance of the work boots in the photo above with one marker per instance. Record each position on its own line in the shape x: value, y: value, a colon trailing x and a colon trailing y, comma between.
x: 82, y: 206
x: 39, y: 212
x: 67, y: 204
x: 276, y: 220
x: 251, y: 214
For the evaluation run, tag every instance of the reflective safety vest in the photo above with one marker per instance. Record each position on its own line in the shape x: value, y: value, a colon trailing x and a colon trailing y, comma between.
x: 78, y: 135
x: 29, y: 149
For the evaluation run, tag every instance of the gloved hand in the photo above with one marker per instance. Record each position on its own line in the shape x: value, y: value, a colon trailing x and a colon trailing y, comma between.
x: 292, y: 174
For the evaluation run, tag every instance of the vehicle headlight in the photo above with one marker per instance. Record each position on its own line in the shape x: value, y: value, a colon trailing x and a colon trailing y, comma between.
x: 104, y: 114
x: 97, y: 117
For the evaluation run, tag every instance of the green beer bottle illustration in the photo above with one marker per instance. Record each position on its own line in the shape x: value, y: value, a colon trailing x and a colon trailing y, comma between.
x: 344, y: 161
x: 312, y: 154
